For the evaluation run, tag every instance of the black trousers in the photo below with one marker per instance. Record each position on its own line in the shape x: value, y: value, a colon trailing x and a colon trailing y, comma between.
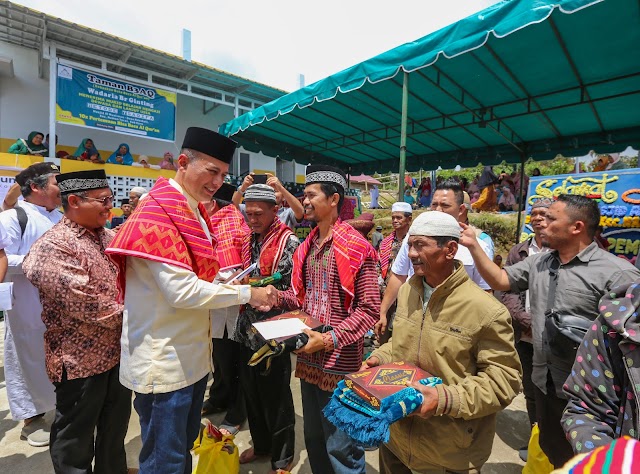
x: 225, y: 391
x: 98, y: 403
x: 525, y: 351
x: 270, y: 410
x: 553, y: 440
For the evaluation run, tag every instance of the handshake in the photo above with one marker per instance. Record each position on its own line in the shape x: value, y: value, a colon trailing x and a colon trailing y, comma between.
x: 263, y: 299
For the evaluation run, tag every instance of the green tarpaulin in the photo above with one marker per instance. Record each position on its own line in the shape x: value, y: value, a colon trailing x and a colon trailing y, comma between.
x: 521, y: 78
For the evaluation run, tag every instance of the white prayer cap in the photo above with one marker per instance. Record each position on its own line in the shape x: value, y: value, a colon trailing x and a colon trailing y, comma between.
x: 435, y: 224
x: 261, y: 193
x: 401, y: 207
x: 138, y: 190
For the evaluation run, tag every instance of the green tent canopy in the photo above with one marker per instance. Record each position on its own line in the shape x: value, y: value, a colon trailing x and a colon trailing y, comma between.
x: 522, y: 78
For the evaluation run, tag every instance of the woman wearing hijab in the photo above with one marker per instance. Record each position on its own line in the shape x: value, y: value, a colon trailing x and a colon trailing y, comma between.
x: 87, y: 151
x: 121, y: 156
x: 31, y: 146
x: 168, y: 163
x: 486, y: 184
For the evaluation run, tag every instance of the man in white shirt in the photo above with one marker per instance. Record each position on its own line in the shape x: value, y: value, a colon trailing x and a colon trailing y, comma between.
x: 166, y: 267
x: 448, y: 198
x: 29, y: 390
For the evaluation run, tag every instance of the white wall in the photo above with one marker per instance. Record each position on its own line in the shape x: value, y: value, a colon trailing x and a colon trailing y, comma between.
x: 24, y: 99
x: 261, y: 162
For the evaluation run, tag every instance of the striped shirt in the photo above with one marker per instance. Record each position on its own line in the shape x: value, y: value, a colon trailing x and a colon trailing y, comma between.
x: 324, y: 300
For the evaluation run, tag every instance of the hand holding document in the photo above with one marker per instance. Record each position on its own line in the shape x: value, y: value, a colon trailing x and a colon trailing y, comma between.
x: 280, y: 328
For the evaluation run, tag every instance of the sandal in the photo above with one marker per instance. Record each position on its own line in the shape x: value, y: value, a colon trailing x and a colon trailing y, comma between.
x: 229, y: 430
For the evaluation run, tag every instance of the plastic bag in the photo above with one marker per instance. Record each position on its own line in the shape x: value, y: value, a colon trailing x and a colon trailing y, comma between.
x: 537, y: 461
x: 217, y: 453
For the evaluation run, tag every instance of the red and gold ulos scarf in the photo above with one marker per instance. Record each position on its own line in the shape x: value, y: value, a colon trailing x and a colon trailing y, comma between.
x: 350, y: 250
x: 273, y: 245
x: 230, y: 230
x: 385, y: 253
x: 163, y: 228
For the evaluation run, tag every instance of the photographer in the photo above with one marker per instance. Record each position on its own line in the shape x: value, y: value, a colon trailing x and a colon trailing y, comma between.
x: 579, y: 273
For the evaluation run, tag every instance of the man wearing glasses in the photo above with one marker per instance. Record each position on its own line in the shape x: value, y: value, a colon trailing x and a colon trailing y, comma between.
x: 78, y: 290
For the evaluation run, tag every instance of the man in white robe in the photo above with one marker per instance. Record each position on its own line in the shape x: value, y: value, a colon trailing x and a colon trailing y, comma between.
x: 29, y: 390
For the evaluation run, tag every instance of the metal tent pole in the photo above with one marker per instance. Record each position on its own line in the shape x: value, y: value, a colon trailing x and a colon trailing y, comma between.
x: 403, y: 135
x: 53, y: 77
x: 520, y: 200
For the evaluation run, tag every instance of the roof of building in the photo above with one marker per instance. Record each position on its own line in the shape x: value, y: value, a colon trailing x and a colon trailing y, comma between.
x: 35, y: 30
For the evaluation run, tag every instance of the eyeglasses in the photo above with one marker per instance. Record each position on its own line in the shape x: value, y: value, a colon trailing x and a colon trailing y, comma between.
x: 105, y: 201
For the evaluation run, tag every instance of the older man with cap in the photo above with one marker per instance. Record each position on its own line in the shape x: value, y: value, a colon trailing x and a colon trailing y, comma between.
x: 271, y: 244
x: 29, y: 390
x: 449, y: 198
x: 167, y: 264
x: 334, y: 279
x: 134, y: 196
x: 401, y: 215
x: 446, y: 325
x: 77, y: 286
x: 125, y: 206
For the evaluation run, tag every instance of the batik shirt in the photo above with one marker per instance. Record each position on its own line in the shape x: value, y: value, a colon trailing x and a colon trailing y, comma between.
x: 77, y: 286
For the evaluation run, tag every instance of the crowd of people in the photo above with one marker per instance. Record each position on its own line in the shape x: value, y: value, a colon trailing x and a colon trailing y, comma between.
x: 146, y: 309
x: 487, y: 192
x: 37, y: 144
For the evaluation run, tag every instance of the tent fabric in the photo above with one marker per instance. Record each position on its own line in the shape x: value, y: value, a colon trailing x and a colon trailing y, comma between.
x: 363, y: 178
x: 532, y: 77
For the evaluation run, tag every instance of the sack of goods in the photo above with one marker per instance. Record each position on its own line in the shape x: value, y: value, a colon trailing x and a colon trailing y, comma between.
x: 366, y: 403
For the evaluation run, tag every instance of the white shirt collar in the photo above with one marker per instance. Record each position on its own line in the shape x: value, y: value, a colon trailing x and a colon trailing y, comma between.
x: 193, y: 202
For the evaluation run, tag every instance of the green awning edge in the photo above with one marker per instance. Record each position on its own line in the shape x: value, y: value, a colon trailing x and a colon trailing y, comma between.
x: 499, y: 20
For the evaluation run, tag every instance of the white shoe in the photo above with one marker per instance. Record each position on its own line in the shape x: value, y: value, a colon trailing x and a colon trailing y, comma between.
x: 37, y: 433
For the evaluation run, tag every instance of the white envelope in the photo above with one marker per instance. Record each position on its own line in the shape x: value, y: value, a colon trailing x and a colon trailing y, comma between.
x: 280, y: 328
x: 6, y: 296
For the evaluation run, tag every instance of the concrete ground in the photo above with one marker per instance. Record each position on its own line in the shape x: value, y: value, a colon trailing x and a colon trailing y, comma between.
x: 17, y: 457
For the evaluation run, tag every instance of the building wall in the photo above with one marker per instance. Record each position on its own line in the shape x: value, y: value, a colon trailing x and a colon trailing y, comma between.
x: 24, y: 107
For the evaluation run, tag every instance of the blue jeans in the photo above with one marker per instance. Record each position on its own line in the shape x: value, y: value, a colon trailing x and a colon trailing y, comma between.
x: 329, y: 449
x: 169, y: 425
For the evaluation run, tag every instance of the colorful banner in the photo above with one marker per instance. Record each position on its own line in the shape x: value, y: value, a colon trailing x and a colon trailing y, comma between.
x: 618, y: 196
x: 91, y: 100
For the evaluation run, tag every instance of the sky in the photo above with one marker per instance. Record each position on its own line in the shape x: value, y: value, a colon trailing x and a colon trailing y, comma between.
x: 271, y: 42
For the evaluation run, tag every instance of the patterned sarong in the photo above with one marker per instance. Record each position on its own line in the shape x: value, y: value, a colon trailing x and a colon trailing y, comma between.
x: 350, y: 249
x: 163, y: 228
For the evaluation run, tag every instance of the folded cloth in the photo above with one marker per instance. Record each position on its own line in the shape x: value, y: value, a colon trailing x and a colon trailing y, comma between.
x: 353, y: 415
